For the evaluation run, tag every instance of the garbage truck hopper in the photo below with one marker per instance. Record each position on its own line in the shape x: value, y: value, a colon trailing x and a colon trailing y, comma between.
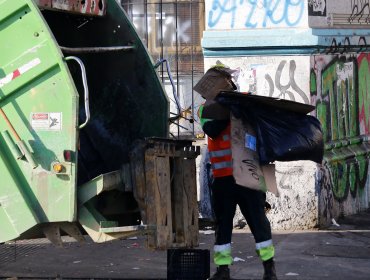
x: 84, y: 126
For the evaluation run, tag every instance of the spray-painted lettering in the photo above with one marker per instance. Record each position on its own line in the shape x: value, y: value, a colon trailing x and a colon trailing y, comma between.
x: 288, y: 90
x: 317, y: 7
x: 364, y: 93
x: 255, y: 13
x: 360, y: 11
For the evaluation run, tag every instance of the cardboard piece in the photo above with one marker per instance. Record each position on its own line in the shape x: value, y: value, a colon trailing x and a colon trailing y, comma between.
x: 246, y: 168
x: 268, y: 171
x: 212, y: 82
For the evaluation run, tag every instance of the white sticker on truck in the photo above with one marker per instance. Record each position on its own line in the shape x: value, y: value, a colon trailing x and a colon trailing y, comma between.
x: 46, y: 121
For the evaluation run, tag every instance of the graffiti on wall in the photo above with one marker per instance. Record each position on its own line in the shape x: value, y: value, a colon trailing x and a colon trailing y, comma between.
x: 360, y: 11
x: 338, y: 13
x: 279, y: 77
x: 317, y: 7
x: 290, y: 89
x: 236, y: 14
x: 342, y: 98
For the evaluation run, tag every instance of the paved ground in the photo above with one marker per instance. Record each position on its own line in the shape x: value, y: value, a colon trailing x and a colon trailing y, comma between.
x: 337, y: 253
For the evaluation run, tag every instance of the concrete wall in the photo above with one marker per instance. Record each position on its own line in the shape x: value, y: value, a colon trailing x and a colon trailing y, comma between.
x: 332, y: 72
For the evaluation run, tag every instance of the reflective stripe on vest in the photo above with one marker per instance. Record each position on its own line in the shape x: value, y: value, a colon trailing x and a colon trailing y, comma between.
x: 223, y: 164
x: 220, y: 153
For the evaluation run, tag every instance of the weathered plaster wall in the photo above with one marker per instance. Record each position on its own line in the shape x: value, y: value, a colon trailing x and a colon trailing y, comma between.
x: 297, y: 204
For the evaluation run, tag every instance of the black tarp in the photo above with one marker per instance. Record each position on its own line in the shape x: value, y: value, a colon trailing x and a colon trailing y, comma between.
x: 284, y: 130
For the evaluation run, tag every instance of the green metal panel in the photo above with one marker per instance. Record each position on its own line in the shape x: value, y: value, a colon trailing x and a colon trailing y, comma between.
x: 40, y: 111
x: 38, y: 97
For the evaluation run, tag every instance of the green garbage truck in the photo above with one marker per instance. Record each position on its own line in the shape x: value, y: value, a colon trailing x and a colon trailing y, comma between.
x: 84, y: 125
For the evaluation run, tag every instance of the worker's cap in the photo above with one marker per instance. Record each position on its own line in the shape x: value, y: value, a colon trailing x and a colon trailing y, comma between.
x: 217, y: 78
x: 223, y: 68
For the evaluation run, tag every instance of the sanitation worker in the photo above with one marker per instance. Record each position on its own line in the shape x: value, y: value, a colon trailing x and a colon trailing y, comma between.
x: 226, y: 195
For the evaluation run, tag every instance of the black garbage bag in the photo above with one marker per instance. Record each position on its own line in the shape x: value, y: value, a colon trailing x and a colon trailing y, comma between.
x: 282, y: 135
x: 287, y: 136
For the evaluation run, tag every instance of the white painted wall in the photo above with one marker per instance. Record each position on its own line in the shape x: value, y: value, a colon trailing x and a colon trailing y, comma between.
x: 285, y: 77
x: 297, y: 204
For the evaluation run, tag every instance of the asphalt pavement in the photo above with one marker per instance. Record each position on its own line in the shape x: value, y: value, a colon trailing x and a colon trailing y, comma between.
x: 339, y: 252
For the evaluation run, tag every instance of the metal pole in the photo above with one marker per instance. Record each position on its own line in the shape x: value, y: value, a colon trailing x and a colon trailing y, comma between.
x: 192, y: 63
x: 96, y: 49
x: 177, y: 62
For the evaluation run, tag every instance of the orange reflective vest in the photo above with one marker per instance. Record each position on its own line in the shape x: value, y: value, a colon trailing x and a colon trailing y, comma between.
x: 220, y: 153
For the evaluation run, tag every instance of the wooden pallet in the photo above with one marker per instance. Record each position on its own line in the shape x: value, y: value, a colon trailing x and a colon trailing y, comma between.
x: 164, y: 184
